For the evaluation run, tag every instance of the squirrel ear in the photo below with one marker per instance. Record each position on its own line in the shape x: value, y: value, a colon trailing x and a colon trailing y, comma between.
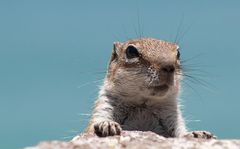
x: 117, y: 46
x: 115, y: 51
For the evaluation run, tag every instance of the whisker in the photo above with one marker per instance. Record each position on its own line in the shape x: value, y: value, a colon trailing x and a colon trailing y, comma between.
x: 89, y: 83
x: 125, y: 33
x: 67, y: 137
x: 193, y: 89
x: 140, y: 30
x: 200, y: 81
x: 178, y: 29
x: 136, y: 32
x: 192, y: 58
x: 84, y: 114
x: 99, y: 72
x: 184, y: 33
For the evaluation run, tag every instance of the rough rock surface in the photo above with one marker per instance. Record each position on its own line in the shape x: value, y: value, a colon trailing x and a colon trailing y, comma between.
x: 138, y: 140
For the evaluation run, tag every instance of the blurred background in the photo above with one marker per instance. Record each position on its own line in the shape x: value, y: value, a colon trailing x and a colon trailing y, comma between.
x: 53, y: 55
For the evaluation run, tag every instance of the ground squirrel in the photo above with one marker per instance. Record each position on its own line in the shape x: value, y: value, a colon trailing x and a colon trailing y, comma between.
x: 140, y: 91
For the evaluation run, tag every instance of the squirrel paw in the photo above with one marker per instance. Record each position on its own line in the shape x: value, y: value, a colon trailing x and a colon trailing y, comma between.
x: 200, y: 134
x: 107, y: 128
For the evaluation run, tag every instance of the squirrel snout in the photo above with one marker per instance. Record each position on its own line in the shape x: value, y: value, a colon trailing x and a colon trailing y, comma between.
x: 168, y: 69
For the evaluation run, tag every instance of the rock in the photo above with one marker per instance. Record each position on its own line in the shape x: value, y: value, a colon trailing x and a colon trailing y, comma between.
x: 138, y: 140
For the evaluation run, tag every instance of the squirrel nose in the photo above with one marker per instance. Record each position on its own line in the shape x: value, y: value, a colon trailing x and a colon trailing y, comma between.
x: 168, y: 69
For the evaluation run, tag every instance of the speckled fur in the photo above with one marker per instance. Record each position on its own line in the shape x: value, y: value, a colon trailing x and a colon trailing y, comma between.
x: 128, y: 99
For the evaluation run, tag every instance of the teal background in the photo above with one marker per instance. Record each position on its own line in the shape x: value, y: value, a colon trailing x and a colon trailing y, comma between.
x: 52, y: 52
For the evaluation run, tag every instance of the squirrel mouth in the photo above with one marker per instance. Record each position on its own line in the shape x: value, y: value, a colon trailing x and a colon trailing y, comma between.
x: 163, y: 87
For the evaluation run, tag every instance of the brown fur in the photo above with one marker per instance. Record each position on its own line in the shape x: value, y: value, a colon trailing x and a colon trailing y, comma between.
x: 141, y: 93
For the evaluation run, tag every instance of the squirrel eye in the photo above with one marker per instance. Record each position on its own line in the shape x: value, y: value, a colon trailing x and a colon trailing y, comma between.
x: 178, y: 54
x: 132, y: 52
